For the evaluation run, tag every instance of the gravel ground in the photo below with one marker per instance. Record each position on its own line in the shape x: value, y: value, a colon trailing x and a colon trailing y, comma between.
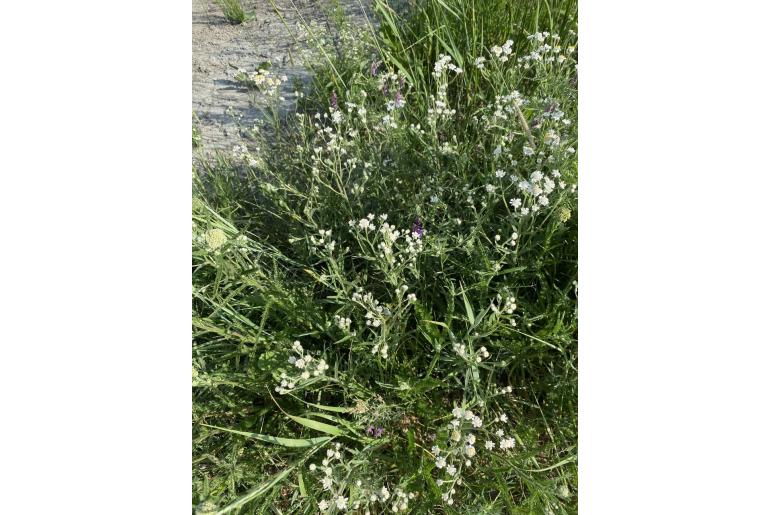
x: 221, y: 104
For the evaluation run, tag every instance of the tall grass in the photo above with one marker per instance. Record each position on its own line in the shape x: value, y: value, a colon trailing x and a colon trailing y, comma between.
x: 384, y: 294
x: 232, y: 10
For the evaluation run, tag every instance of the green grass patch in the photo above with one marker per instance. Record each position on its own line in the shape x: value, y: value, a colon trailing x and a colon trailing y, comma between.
x: 384, y: 291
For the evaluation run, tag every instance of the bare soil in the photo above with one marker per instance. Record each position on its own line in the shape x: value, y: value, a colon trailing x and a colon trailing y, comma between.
x: 224, y: 109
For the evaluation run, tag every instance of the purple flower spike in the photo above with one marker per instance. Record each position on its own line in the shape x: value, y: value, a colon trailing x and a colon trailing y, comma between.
x: 417, y: 227
x: 399, y: 100
x: 370, y: 430
x: 378, y: 432
x: 373, y: 68
x: 334, y: 99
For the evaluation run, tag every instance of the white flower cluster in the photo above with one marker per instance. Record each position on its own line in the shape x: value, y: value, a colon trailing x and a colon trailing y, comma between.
x: 440, y: 109
x: 443, y: 64
x: 545, y: 52
x: 459, y: 452
x: 538, y: 188
x: 481, y: 354
x: 242, y: 154
x: 401, y: 500
x: 508, y: 307
x: 505, y: 106
x: 306, y: 366
x: 328, y: 480
x: 375, y: 316
x: 342, y: 322
x: 504, y: 443
x: 334, y: 477
x: 503, y: 53
x: 323, y: 240
x: 262, y: 79
x: 390, y: 251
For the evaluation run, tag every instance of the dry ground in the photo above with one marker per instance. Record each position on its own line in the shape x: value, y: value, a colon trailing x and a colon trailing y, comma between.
x: 222, y: 107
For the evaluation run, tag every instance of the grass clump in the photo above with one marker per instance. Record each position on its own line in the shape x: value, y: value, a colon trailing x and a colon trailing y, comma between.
x: 384, y: 294
x: 232, y: 10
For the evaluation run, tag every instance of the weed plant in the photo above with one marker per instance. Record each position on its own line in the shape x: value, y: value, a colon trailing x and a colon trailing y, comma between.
x: 384, y: 292
x: 232, y: 10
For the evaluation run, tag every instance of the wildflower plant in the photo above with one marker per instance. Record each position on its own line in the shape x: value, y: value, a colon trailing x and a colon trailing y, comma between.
x: 384, y: 293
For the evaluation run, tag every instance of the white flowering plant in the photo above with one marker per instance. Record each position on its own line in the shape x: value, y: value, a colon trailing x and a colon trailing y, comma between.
x: 385, y: 292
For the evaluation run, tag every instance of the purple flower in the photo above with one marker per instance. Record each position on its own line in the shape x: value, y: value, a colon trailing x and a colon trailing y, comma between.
x: 375, y: 432
x: 334, y: 99
x: 373, y: 68
x: 417, y: 227
x: 399, y: 100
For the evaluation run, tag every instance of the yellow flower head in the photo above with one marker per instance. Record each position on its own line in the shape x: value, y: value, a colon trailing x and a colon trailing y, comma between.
x: 215, y: 238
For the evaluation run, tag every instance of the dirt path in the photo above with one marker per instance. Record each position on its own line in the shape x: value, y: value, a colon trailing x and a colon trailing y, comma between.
x: 222, y: 105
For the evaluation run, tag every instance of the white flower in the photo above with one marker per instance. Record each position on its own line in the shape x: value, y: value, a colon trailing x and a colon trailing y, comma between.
x: 500, y: 174
x: 341, y: 502
x: 411, y: 297
x: 490, y: 188
x: 457, y: 413
x: 503, y: 418
x: 336, y: 116
x: 528, y: 151
x: 312, y: 467
x: 489, y: 444
x: 471, y: 439
x: 515, y: 203
x: 476, y: 422
x: 327, y: 483
x: 470, y: 451
x: 507, y: 443
x: 440, y: 462
x: 323, y: 505
x: 451, y: 470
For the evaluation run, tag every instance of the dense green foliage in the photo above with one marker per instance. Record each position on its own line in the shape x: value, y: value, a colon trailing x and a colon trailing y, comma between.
x: 414, y: 228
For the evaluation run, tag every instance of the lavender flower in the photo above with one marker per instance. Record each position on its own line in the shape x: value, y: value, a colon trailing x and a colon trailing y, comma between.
x: 373, y: 68
x: 417, y: 227
x: 375, y: 432
x: 399, y: 100
x: 334, y: 100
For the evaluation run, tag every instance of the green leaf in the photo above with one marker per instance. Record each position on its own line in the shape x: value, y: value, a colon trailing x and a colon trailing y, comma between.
x: 258, y: 490
x: 286, y: 442
x: 468, y: 308
x: 318, y: 426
